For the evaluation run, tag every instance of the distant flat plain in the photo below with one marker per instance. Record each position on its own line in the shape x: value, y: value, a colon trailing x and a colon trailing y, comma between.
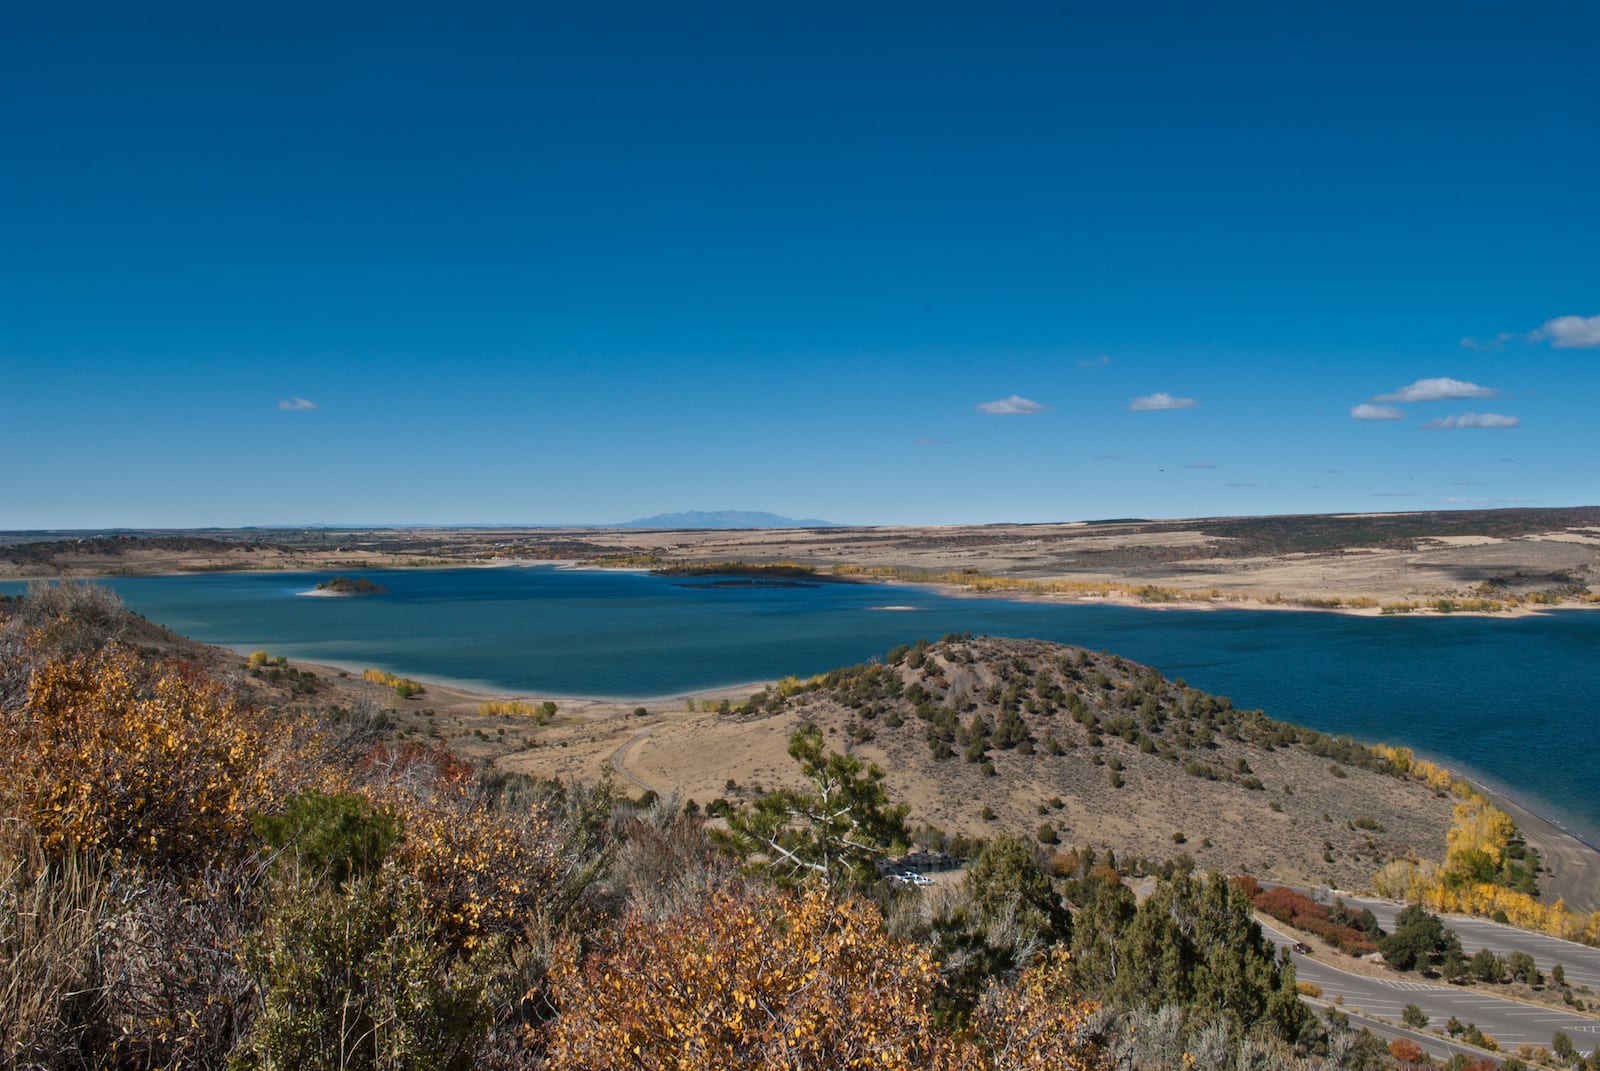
x: 1504, y: 555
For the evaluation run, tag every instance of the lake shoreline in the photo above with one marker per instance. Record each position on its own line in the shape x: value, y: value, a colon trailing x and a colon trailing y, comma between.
x: 1197, y: 603
x: 1222, y: 653
x: 1574, y: 879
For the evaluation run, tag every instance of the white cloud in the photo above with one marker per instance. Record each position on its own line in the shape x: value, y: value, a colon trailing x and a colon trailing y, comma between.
x: 933, y: 442
x: 1106, y: 457
x: 1249, y: 485
x: 1199, y: 465
x: 1159, y: 400
x: 1498, y: 342
x: 1437, y: 390
x: 1016, y: 405
x: 1095, y: 362
x: 296, y: 404
x: 1569, y: 332
x: 1397, y: 494
x: 1473, y: 420
x: 1368, y: 411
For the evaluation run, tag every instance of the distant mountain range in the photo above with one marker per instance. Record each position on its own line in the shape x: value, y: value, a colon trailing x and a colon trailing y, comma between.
x: 724, y: 518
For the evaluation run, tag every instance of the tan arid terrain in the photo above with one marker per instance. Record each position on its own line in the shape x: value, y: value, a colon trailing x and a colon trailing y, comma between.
x: 1507, y: 556
x: 1314, y: 821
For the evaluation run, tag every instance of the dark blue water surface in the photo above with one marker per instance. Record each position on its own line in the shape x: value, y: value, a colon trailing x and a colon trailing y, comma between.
x: 1510, y: 701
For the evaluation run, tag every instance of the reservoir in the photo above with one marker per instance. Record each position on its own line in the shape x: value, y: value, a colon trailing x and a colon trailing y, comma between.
x: 1510, y: 701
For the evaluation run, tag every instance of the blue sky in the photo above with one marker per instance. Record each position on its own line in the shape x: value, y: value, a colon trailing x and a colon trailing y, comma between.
x: 875, y: 263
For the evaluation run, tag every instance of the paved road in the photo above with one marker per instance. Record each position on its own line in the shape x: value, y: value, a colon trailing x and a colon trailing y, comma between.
x: 1436, y: 1044
x: 1509, y: 1022
x: 1580, y: 962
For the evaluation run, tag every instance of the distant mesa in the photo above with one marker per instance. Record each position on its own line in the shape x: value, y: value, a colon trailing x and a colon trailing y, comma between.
x: 724, y: 518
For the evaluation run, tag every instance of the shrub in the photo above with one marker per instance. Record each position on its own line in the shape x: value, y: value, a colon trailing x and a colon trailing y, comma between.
x: 153, y: 763
x: 1040, y: 1022
x: 404, y: 687
x: 353, y: 978
x: 1407, y: 1052
x: 505, y: 708
x: 481, y: 873
x: 1285, y: 904
x: 332, y: 837
x: 746, y: 978
x: 1351, y: 942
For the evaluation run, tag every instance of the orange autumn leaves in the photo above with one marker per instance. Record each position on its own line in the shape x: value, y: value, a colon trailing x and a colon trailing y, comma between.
x: 153, y: 763
x: 759, y: 978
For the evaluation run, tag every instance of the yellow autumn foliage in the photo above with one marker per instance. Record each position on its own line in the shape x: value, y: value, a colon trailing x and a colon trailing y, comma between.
x: 505, y: 708
x: 761, y: 979
x: 154, y: 763
x: 747, y: 979
x: 1480, y: 831
x: 1038, y: 1024
x: 1479, y: 827
x: 483, y: 874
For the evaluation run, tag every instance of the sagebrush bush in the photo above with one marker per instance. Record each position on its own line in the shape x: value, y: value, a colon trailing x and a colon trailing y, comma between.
x: 354, y: 978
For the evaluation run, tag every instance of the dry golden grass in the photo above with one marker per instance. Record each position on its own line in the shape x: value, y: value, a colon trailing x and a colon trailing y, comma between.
x: 51, y: 917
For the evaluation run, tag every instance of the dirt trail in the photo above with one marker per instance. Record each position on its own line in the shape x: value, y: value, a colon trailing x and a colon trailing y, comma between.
x: 619, y: 759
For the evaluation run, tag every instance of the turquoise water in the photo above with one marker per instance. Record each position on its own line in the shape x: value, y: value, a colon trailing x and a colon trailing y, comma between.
x: 1510, y: 701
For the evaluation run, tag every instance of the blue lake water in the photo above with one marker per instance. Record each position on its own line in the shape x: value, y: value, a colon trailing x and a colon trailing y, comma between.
x: 1509, y: 701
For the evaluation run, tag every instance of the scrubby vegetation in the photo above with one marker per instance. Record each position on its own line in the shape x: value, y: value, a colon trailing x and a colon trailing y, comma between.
x: 191, y: 880
x: 1354, y: 933
x: 976, y: 696
x: 1493, y: 600
x: 1487, y: 871
x: 345, y: 585
x: 404, y: 687
x: 513, y: 708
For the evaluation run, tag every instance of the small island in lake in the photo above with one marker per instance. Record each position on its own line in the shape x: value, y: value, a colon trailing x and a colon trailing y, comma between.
x: 345, y: 585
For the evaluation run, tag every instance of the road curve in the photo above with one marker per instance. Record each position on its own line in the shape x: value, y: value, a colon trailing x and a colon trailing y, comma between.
x: 1510, y: 1022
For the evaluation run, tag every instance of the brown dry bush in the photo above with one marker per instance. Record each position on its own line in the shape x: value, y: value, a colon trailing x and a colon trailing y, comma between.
x: 748, y: 978
x: 665, y: 861
x: 175, y: 992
